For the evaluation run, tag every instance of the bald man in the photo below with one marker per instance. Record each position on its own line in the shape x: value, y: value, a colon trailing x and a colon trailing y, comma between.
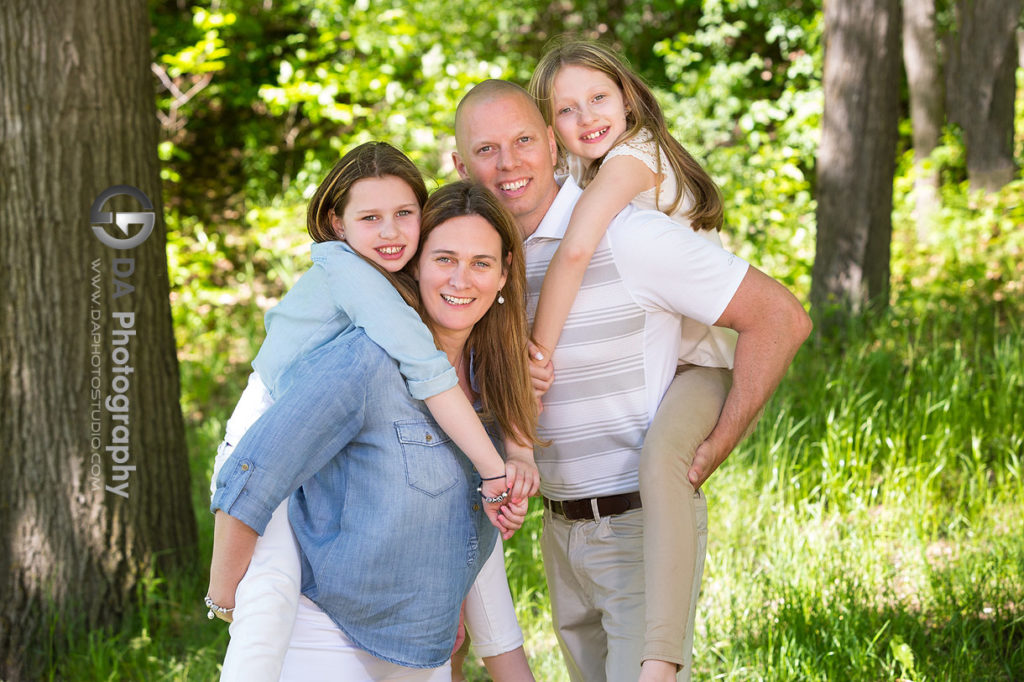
x: 615, y: 359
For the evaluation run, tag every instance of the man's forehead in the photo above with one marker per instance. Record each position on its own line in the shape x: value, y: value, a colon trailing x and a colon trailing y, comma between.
x: 501, y: 116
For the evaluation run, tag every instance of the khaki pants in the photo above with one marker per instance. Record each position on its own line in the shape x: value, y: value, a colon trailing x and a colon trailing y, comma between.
x: 675, y: 523
x: 624, y: 588
x: 596, y: 581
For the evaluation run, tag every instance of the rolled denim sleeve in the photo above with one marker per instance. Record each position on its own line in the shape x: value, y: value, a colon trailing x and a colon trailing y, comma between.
x: 311, y: 423
x: 374, y: 305
x: 254, y: 401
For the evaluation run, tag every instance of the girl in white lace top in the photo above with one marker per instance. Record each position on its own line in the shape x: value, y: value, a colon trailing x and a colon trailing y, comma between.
x: 613, y: 138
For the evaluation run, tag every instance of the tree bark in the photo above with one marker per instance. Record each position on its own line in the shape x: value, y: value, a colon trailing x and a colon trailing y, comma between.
x: 82, y: 523
x: 924, y: 81
x: 981, y: 87
x: 857, y: 157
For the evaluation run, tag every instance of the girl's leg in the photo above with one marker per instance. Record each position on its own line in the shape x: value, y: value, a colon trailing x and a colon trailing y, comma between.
x: 509, y: 666
x: 675, y: 516
x: 491, y: 623
x: 459, y: 660
x: 265, y: 604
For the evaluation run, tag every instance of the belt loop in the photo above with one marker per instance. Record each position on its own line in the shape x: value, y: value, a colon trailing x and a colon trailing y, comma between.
x: 595, y: 509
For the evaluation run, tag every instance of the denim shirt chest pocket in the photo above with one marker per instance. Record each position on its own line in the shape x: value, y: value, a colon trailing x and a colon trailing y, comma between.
x: 430, y: 465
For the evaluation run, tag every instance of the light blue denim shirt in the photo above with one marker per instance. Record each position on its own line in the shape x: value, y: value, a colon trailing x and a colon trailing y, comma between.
x: 387, y: 516
x: 339, y: 292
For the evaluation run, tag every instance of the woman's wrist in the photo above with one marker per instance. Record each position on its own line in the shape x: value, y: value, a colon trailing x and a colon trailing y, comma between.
x: 493, y: 487
x: 493, y: 499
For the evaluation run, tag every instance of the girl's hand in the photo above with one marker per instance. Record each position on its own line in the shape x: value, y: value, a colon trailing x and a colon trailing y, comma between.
x: 542, y: 372
x: 512, y: 516
x: 521, y: 473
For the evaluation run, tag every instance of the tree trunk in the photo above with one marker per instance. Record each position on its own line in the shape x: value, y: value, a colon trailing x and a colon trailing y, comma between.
x: 981, y: 86
x: 924, y: 80
x: 96, y: 479
x: 857, y: 156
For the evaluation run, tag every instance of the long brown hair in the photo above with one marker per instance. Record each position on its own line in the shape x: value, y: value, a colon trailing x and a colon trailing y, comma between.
x: 498, y: 340
x: 643, y: 111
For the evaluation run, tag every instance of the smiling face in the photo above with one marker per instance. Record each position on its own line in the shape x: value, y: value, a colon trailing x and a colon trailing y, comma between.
x: 460, y: 272
x: 381, y: 221
x: 504, y: 144
x: 588, y: 111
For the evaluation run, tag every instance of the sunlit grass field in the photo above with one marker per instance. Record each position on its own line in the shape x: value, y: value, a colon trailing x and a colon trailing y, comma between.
x: 872, y: 528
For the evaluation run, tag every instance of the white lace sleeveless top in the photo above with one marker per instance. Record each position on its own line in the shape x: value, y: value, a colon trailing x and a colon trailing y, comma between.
x: 701, y: 345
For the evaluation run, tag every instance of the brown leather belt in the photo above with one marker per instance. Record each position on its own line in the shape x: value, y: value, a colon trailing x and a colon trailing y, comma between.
x: 575, y: 510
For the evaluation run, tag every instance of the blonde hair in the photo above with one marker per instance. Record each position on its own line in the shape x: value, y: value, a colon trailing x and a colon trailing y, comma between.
x: 643, y: 111
x: 498, y: 340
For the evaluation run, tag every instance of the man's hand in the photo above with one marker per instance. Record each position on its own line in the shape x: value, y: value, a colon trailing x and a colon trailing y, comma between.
x: 772, y: 324
x: 706, y: 460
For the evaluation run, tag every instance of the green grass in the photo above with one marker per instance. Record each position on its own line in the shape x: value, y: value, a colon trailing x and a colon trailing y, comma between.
x: 870, y: 528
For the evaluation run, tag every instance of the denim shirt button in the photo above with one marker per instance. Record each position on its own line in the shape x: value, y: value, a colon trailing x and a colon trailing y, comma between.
x: 245, y: 467
x: 476, y: 507
x: 428, y: 438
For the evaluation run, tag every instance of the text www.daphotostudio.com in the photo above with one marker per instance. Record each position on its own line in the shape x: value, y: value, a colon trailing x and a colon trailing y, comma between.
x: 113, y: 402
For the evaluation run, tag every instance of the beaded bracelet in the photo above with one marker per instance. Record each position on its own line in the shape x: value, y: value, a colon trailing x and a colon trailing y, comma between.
x: 214, y: 609
x: 492, y: 500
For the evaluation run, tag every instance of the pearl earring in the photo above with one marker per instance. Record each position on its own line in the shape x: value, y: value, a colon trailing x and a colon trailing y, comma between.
x: 501, y: 299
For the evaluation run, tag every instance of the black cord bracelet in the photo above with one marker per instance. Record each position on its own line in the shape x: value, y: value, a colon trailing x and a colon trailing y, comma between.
x: 493, y: 478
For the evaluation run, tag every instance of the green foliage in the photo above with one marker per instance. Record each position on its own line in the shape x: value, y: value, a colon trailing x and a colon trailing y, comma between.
x: 868, y: 529
x: 746, y: 90
x: 222, y: 283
